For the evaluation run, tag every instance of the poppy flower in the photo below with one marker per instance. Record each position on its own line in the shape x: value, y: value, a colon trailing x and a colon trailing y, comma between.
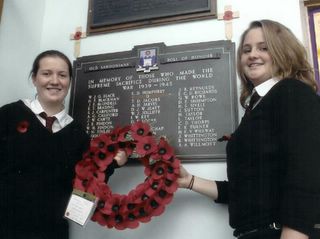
x: 103, y: 191
x: 154, y: 208
x: 124, y: 134
x: 171, y: 186
x: 86, y: 169
x: 163, y: 197
x: 86, y: 185
x: 100, y: 142
x: 144, y: 216
x: 146, y: 145
x: 77, y: 35
x: 159, y: 170
x: 128, y: 205
x: 128, y: 147
x: 173, y: 169
x: 139, y: 196
x: 167, y: 172
x: 23, y: 126
x: 131, y: 223
x: 128, y: 210
x: 228, y: 15
x: 114, y: 134
x: 159, y: 192
x: 140, y: 130
x: 224, y: 138
x: 112, y: 209
x: 100, y: 218
x: 126, y: 223
x: 104, y: 195
x: 165, y: 151
x: 103, y: 157
x: 150, y: 192
x: 87, y: 175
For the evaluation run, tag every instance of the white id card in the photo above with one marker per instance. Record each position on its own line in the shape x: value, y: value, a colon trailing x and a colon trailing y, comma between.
x: 80, y: 207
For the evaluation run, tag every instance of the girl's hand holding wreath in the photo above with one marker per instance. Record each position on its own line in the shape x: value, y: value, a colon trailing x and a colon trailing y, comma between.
x: 121, y: 158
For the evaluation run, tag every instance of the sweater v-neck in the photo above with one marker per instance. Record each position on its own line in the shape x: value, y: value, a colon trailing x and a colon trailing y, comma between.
x: 39, y: 124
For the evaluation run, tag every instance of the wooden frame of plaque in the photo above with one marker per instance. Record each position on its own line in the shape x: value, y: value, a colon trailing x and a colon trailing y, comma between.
x: 114, y: 15
x: 1, y: 6
x: 313, y: 16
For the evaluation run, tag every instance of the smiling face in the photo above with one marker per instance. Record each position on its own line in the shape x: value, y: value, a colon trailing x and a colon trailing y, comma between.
x: 52, y: 81
x: 256, y: 61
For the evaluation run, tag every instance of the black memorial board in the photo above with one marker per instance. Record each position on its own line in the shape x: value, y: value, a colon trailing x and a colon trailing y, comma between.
x: 186, y: 93
x: 112, y: 15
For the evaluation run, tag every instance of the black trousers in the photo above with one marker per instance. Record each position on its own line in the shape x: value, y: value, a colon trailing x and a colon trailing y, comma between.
x: 275, y: 234
x: 269, y: 234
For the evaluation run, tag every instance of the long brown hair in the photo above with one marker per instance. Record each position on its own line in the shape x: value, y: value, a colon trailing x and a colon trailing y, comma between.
x: 287, y: 53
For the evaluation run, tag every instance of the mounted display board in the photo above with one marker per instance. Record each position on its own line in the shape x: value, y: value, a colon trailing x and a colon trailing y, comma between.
x: 186, y: 93
x: 114, y: 15
x: 1, y: 6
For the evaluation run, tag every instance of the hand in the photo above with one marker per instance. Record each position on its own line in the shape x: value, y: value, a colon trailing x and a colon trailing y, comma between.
x: 121, y: 158
x: 289, y: 233
x: 184, y: 178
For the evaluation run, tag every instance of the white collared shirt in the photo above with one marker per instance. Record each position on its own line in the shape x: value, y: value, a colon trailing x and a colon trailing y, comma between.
x: 63, y: 119
x: 264, y: 88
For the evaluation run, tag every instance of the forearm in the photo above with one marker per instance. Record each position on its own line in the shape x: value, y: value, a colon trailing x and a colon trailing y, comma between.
x: 205, y: 187
x: 288, y: 233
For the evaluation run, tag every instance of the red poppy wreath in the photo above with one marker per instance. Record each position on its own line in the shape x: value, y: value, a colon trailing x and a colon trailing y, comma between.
x: 149, y: 198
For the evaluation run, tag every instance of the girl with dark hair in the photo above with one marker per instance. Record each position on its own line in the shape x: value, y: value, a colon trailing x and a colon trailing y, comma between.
x: 39, y: 147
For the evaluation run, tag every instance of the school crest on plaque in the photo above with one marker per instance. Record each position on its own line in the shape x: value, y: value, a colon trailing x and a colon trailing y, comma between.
x: 147, y: 60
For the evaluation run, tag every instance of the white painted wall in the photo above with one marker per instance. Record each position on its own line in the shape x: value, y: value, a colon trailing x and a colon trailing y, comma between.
x: 20, y: 41
x: 30, y: 26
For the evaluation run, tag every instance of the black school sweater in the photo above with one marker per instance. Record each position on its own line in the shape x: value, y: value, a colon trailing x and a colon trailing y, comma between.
x: 36, y: 173
x: 273, y: 161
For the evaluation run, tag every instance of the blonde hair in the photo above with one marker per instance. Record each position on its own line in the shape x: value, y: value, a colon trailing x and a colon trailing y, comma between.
x: 287, y: 53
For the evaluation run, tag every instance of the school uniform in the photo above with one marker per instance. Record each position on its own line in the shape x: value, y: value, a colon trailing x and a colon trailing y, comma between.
x: 273, y: 164
x: 36, y: 171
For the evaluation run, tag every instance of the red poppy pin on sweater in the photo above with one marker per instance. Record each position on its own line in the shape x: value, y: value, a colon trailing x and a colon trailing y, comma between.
x: 148, y: 198
x: 23, y: 126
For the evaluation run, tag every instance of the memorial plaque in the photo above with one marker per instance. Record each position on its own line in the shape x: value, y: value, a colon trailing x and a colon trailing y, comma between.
x: 112, y: 15
x: 185, y: 92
